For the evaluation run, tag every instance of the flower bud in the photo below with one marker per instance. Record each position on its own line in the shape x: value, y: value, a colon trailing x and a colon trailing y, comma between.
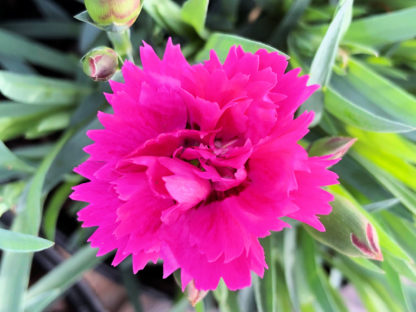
x: 348, y: 231
x: 195, y: 295
x: 335, y: 146
x: 119, y: 13
x: 100, y: 63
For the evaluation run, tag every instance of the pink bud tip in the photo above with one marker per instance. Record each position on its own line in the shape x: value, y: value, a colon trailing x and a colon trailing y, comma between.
x: 195, y: 295
x: 370, y: 248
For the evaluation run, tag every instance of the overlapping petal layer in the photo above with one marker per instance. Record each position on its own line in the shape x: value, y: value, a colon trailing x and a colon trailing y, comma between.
x: 198, y: 162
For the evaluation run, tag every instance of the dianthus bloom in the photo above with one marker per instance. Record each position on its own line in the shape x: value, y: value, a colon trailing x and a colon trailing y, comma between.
x: 200, y: 161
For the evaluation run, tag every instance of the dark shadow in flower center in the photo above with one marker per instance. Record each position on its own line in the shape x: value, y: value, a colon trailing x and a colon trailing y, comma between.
x: 217, y: 196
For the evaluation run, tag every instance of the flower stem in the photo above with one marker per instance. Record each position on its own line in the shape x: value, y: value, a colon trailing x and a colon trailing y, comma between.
x: 121, y: 43
x: 199, y: 307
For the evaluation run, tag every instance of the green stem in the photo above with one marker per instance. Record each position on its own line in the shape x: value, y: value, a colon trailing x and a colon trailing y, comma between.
x: 199, y: 307
x: 121, y: 43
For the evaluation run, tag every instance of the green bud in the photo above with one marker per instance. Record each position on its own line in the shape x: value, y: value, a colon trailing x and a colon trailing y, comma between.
x: 100, y: 63
x: 335, y: 146
x: 348, y: 231
x: 119, y: 13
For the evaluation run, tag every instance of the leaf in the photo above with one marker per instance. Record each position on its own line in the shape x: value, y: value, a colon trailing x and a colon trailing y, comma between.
x: 227, y: 300
x: 374, y: 93
x: 194, y: 12
x: 39, y: 303
x: 15, y: 64
x: 314, y: 277
x: 282, y: 295
x: 132, y: 286
x: 10, y: 161
x: 265, y: 290
x: 15, y: 267
x: 63, y: 276
x: 290, y: 267
x: 53, y: 122
x: 33, y: 152
x: 367, y: 264
x: 383, y: 29
x: 401, y: 230
x: 403, y: 267
x: 246, y: 299
x: 392, y: 165
x: 395, y: 284
x: 382, y: 204
x: 358, y: 48
x: 70, y: 156
x: 16, y: 119
x: 41, y: 29
x: 352, y: 114
x: 167, y: 14
x: 89, y: 35
x: 323, y: 61
x: 367, y: 283
x: 289, y: 21
x: 40, y: 90
x: 9, y: 195
x: 222, y: 43
x: 51, y: 10
x: 180, y: 306
x: 321, y: 67
x: 36, y: 53
x: 19, y: 242
x: 55, y: 204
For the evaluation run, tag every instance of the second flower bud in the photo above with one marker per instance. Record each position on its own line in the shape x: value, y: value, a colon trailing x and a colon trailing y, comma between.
x: 100, y: 63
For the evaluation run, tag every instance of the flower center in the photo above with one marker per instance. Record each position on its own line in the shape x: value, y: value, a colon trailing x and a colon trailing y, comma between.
x: 223, y: 164
x: 192, y: 162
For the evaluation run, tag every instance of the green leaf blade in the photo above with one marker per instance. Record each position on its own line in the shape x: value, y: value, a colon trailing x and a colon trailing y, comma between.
x: 36, y: 53
x: 324, y: 59
x: 384, y: 29
x: 221, y: 44
x: 194, y: 12
x: 19, y: 242
x: 351, y: 113
x: 40, y: 90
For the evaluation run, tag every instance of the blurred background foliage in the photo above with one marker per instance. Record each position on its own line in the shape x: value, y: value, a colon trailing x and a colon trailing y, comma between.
x: 364, y: 56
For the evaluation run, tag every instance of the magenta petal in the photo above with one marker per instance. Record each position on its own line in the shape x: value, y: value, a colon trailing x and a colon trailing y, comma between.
x: 198, y: 162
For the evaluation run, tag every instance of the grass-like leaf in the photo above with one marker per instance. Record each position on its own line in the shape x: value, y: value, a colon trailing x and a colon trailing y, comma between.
x: 353, y: 114
x: 36, y: 53
x: 383, y: 29
x: 323, y: 61
x: 227, y: 300
x: 222, y: 43
x: 17, y: 119
x: 41, y: 29
x: 40, y: 90
x: 15, y: 267
x: 375, y: 94
x: 10, y: 161
x: 167, y: 14
x: 265, y: 290
x: 63, y: 276
x: 19, y: 242
x: 194, y: 13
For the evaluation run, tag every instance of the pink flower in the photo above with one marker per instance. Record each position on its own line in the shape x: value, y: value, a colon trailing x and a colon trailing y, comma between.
x: 200, y: 161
